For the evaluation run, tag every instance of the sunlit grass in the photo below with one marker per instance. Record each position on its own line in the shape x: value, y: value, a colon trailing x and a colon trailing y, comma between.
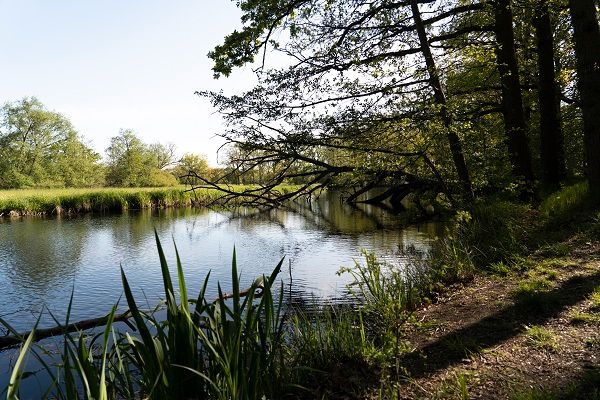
x: 60, y: 201
x: 540, y: 337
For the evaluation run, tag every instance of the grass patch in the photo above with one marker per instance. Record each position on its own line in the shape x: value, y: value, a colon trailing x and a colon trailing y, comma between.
x: 560, y: 206
x: 594, y: 298
x: 533, y: 294
x: 65, y: 201
x: 455, y: 387
x: 585, y: 318
x: 592, y: 316
x: 555, y: 250
x: 499, y: 269
x: 540, y: 337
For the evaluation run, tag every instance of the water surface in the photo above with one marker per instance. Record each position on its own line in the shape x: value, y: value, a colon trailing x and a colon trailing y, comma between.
x: 43, y: 259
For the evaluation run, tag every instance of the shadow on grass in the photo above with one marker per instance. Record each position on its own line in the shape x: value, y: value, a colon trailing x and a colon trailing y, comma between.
x: 584, y: 386
x: 488, y: 332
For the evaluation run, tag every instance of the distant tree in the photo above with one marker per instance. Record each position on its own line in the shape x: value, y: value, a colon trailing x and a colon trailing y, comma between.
x: 131, y: 162
x: 127, y: 160
x: 163, y: 155
x: 39, y: 147
x: 189, y: 166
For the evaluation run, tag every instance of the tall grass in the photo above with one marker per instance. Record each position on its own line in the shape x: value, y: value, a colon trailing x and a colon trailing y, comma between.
x: 479, y: 239
x: 561, y: 205
x: 65, y: 201
x: 387, y: 295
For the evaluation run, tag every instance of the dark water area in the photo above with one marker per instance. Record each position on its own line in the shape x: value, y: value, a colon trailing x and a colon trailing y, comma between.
x: 42, y: 260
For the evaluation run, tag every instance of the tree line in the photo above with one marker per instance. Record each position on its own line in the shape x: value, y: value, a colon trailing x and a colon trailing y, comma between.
x: 41, y: 148
x: 464, y: 96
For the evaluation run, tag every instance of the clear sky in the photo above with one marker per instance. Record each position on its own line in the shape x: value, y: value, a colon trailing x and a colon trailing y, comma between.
x: 115, y: 64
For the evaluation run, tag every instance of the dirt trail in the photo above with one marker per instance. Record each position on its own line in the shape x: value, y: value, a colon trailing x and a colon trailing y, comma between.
x: 537, y: 332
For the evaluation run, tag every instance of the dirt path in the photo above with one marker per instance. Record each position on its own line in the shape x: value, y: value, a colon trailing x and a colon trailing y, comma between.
x: 533, y: 335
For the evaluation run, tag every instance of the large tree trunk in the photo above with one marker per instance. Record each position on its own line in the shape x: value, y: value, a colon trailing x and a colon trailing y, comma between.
x: 512, y: 101
x: 587, y: 51
x: 551, y: 139
x: 440, y: 99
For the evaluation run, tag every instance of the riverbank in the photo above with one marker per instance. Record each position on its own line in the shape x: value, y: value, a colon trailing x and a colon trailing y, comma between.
x: 14, y: 203
x: 521, y: 320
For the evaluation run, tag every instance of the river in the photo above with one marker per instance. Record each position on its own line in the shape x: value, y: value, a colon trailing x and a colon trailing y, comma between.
x: 44, y: 259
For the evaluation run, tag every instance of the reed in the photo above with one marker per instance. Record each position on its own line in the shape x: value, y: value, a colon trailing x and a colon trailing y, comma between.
x: 216, y: 349
x: 74, y: 201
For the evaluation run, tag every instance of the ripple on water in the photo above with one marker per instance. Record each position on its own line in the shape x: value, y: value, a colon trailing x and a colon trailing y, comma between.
x: 42, y: 259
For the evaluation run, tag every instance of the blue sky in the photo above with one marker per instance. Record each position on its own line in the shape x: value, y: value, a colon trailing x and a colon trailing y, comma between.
x: 110, y: 64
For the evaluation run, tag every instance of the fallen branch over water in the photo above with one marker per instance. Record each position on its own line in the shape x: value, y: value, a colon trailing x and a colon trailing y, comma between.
x: 13, y: 340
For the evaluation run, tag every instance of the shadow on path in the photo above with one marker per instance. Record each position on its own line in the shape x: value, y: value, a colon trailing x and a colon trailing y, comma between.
x: 498, y: 327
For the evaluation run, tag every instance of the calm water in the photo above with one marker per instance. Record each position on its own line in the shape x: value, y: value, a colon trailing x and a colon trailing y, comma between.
x: 43, y: 259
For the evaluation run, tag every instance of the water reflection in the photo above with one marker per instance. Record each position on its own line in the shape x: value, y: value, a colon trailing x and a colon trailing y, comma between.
x: 43, y: 259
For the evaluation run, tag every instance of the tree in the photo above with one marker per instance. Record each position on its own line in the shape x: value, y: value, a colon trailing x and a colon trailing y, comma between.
x: 360, y: 72
x: 587, y: 50
x: 127, y: 160
x: 162, y: 155
x: 512, y: 100
x: 189, y: 166
x: 437, y: 94
x: 39, y: 147
x: 551, y: 149
x: 131, y: 162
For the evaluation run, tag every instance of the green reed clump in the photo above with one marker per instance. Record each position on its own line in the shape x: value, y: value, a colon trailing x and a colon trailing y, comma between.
x: 327, y: 336
x: 215, y: 349
x: 388, y: 297
x: 59, y: 201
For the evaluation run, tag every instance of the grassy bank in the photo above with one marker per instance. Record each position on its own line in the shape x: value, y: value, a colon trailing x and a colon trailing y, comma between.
x: 73, y: 201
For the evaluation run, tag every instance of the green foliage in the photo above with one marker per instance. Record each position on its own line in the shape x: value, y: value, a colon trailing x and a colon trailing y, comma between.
x: 41, y: 148
x: 327, y: 337
x: 456, y: 387
x: 134, y: 163
x: 388, y: 296
x: 58, y: 201
x: 191, y: 164
x: 486, y: 238
x: 560, y: 207
x: 592, y: 314
x: 534, y: 295
x: 17, y: 372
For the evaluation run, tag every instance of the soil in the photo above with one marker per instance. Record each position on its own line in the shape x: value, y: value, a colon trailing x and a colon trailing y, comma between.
x: 477, y: 341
